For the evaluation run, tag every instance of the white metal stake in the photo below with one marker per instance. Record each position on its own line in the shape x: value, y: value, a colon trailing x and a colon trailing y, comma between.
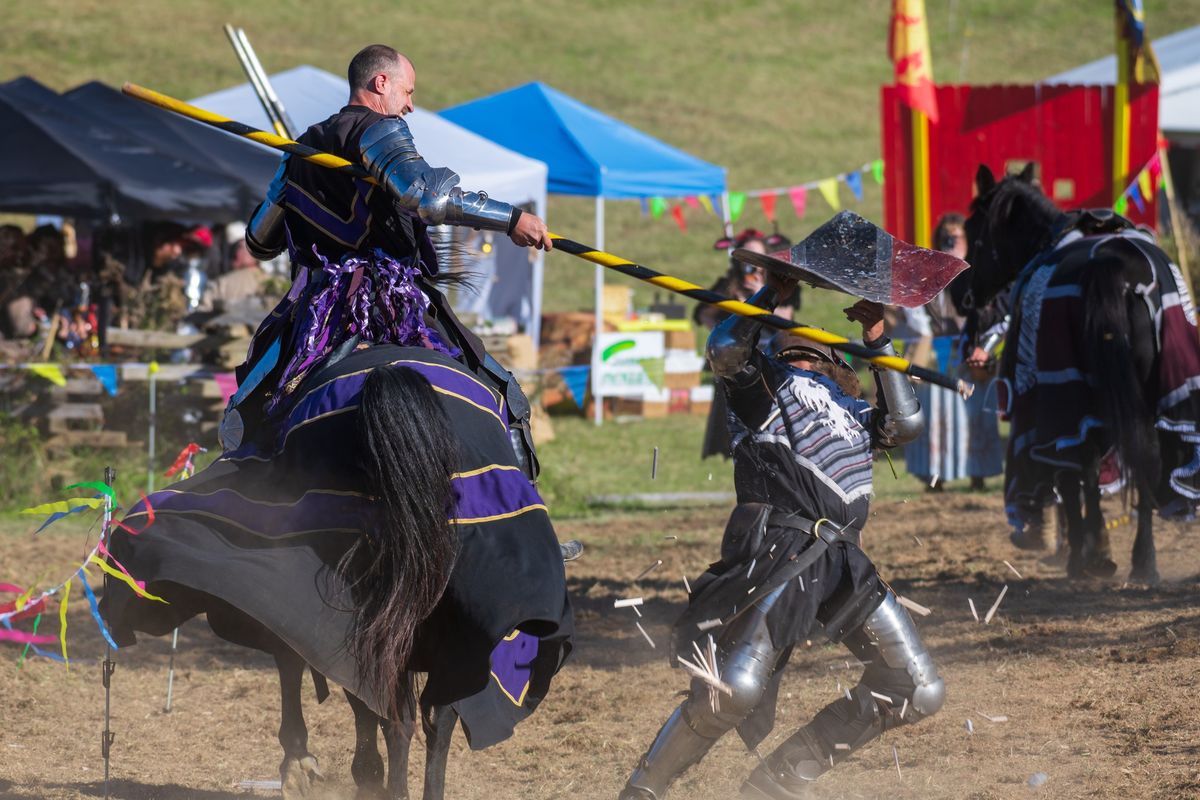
x: 171, y: 669
x: 597, y: 398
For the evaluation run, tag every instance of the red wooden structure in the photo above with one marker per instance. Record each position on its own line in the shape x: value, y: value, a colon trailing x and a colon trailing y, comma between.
x: 1066, y: 130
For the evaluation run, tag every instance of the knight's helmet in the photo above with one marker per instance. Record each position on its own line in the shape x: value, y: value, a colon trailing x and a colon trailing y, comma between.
x: 788, y: 347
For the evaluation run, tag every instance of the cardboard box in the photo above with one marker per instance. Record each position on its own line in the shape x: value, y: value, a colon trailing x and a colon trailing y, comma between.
x: 681, y: 380
x: 681, y: 340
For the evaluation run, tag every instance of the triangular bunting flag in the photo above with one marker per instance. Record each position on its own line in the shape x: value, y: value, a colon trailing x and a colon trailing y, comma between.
x: 799, y: 197
x: 677, y: 213
x: 107, y: 375
x: 1135, y: 194
x: 1144, y: 184
x: 692, y: 201
x: 655, y: 369
x: 1122, y: 205
x: 829, y: 191
x: 50, y: 372
x: 942, y: 347
x: 854, y: 181
x: 877, y: 170
x: 767, y: 201
x: 715, y: 202
x: 576, y: 379
x: 657, y: 207
x: 737, y: 203
x: 705, y: 203
x: 1154, y: 166
x: 227, y: 383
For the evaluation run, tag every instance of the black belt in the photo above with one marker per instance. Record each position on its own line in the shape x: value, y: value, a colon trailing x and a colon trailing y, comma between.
x: 822, y: 528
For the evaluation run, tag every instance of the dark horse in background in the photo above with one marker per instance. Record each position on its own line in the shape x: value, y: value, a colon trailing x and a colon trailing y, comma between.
x: 380, y: 526
x: 1101, y: 355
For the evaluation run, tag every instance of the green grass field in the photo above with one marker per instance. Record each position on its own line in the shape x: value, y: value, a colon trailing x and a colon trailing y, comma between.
x: 780, y: 92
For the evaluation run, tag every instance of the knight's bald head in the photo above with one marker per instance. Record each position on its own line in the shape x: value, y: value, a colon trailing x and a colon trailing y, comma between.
x: 383, y: 79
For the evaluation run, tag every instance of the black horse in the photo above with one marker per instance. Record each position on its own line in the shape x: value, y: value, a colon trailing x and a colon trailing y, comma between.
x: 1100, y: 355
x: 383, y: 528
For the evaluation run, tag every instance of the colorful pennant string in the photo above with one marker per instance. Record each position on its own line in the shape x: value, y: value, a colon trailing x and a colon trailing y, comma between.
x: 95, y: 608
x: 767, y: 201
x: 854, y: 181
x: 799, y: 198
x: 677, y: 213
x: 737, y: 204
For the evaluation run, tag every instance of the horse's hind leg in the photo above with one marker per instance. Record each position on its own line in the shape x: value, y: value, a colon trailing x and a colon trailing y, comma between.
x: 1098, y: 554
x: 367, y: 766
x: 299, y: 767
x: 1068, y: 490
x: 398, y: 734
x: 439, y: 723
x: 1145, y: 562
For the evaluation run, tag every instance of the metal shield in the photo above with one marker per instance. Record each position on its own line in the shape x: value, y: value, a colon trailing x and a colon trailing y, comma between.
x: 852, y: 255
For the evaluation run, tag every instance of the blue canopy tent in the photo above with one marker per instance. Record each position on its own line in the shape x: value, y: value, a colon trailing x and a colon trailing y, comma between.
x: 588, y: 153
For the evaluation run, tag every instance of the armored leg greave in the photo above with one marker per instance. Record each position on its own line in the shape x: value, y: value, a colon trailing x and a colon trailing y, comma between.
x: 746, y: 660
x: 898, y: 669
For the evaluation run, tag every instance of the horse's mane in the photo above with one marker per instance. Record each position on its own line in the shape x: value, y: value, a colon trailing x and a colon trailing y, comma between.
x: 1004, y: 198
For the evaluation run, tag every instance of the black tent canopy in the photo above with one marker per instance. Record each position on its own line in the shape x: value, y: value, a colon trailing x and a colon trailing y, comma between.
x: 251, y: 165
x: 62, y: 157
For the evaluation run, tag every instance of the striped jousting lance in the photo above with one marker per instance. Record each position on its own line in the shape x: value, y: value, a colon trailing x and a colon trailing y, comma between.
x: 607, y: 260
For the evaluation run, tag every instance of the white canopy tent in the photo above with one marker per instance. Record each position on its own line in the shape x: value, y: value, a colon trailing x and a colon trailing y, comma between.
x: 510, y: 282
x: 1179, y: 92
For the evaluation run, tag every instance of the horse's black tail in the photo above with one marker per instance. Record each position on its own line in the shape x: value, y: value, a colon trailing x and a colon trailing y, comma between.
x: 1110, y: 359
x: 402, y: 568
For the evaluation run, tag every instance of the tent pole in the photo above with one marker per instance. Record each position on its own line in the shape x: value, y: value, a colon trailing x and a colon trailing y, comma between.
x: 539, y: 273
x: 597, y: 399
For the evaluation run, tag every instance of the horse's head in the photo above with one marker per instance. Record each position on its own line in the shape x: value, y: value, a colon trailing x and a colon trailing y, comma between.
x: 1008, y: 225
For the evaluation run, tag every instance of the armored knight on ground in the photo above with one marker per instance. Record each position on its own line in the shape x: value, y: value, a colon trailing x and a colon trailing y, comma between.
x: 791, y: 566
x: 365, y: 269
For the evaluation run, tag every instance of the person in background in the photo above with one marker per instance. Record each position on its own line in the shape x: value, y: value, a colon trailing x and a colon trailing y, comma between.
x: 17, y: 318
x: 739, y: 282
x: 957, y: 442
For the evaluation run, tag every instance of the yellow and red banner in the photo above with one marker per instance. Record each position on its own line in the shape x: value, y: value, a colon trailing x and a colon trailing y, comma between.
x: 908, y: 47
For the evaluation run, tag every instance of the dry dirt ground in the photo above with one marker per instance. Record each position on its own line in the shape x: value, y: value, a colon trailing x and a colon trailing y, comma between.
x: 1096, y: 680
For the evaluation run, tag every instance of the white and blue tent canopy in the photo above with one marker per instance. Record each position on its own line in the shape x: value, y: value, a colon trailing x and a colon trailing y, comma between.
x: 510, y: 282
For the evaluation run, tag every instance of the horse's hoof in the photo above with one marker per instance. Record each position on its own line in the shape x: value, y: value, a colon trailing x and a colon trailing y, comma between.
x: 1028, y: 539
x: 373, y: 792
x: 297, y: 776
x: 1100, y: 568
x: 1145, y: 577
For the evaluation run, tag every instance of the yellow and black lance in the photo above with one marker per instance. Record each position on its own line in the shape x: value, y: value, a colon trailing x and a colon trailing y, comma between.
x: 607, y: 260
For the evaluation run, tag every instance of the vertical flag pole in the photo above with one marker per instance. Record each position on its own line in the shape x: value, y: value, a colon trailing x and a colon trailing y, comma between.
x: 922, y: 226
x: 1120, y: 130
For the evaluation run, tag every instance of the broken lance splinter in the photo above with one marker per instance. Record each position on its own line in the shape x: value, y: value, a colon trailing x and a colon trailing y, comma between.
x: 607, y: 260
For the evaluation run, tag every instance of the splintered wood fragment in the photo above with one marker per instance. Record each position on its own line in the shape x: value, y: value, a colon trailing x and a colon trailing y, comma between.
x: 628, y: 602
x: 648, y: 639
x: 848, y: 697
x: 992, y: 611
x: 708, y: 624
x: 882, y: 697
x: 654, y: 465
x: 904, y: 708
x: 657, y: 563
x: 996, y: 719
x: 970, y: 727
x: 896, y: 758
x: 801, y: 577
x: 974, y: 613
x: 751, y: 590
x: 841, y: 746
x: 753, y: 561
x: 1014, y: 570
x: 687, y: 586
x: 635, y: 610
x: 917, y: 539
x: 720, y: 686
x: 933, y: 482
x: 669, y: 538
x: 915, y: 607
